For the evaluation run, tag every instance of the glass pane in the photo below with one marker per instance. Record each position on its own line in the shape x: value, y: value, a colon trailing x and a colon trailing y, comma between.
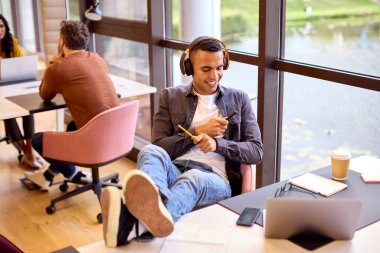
x: 125, y: 58
x: 239, y: 76
x: 6, y: 10
x: 73, y: 9
x: 336, y: 34
x: 129, y: 59
x: 235, y: 22
x: 27, y: 32
x: 125, y: 9
x: 320, y: 116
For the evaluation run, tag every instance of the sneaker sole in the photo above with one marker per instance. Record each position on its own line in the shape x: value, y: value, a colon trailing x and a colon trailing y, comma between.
x: 110, y: 204
x: 144, y: 202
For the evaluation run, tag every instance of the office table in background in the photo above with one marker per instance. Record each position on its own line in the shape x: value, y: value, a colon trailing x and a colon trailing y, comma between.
x: 251, y: 239
x: 20, y: 99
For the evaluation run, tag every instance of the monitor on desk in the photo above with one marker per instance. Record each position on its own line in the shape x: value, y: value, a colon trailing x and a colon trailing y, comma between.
x: 332, y: 218
x: 18, y: 68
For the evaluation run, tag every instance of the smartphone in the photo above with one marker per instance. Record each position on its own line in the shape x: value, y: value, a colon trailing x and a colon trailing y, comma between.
x: 248, y: 216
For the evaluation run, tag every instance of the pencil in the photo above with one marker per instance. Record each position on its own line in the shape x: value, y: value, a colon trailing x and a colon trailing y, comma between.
x: 187, y: 132
x: 232, y: 114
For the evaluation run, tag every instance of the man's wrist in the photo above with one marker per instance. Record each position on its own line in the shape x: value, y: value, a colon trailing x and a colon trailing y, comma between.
x: 216, y: 143
x: 195, y: 130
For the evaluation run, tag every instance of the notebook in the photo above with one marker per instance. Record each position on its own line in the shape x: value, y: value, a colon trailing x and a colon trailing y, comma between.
x: 318, y: 184
x: 18, y: 68
x: 333, y: 218
x: 371, y: 177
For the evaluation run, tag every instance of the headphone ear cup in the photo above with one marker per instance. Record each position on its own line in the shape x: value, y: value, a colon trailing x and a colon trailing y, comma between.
x: 225, y: 66
x: 188, y: 67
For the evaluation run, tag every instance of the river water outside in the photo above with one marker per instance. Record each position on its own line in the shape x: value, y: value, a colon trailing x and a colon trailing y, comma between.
x: 318, y: 115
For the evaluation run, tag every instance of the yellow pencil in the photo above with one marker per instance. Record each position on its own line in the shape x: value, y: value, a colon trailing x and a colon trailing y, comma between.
x: 187, y: 132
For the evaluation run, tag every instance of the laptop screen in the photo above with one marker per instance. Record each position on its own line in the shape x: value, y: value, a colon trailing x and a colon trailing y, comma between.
x: 18, y: 68
x: 333, y: 218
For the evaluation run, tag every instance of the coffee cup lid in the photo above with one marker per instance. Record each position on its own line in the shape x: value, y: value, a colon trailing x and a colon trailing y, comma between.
x: 341, y: 154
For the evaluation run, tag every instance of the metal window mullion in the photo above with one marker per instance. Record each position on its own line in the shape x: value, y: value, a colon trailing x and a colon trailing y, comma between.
x: 268, y: 90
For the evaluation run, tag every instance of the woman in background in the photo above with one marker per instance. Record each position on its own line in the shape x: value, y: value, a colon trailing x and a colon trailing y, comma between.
x: 9, y: 48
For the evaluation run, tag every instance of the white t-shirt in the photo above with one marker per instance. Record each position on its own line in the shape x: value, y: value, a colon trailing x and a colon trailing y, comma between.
x: 206, y: 109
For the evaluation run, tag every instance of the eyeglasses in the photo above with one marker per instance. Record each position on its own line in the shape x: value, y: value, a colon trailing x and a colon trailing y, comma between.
x: 289, y: 187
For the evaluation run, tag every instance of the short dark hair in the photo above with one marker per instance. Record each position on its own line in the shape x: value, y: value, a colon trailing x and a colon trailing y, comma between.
x: 75, y: 34
x: 208, y: 44
x: 7, y: 41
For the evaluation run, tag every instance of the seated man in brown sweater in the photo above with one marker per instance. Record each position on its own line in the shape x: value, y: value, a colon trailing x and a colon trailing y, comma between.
x: 82, y: 78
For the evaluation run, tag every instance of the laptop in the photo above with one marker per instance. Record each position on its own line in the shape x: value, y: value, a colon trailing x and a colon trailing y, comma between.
x: 18, y: 68
x: 331, y: 218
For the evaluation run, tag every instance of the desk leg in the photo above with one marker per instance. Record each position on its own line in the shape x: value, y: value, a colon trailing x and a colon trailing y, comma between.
x: 61, y: 120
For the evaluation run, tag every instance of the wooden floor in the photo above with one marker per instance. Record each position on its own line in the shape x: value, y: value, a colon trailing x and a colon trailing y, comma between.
x: 22, y: 213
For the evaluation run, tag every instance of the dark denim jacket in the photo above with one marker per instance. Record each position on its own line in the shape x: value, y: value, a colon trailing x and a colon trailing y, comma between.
x: 241, y: 142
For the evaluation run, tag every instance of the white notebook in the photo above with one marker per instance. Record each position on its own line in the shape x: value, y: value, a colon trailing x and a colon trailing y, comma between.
x: 371, y: 177
x: 198, y: 238
x: 318, y: 184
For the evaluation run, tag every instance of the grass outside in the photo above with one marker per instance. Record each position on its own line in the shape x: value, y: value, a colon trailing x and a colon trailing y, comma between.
x: 241, y: 17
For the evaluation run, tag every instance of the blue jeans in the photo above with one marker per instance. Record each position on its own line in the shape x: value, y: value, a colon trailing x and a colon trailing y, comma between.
x: 55, y: 167
x: 182, y: 187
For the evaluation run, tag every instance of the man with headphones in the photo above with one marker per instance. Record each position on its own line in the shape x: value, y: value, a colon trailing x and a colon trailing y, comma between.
x: 202, y: 133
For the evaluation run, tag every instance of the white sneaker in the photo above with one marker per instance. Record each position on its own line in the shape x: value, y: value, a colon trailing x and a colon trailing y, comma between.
x: 38, y: 178
x: 28, y: 162
x: 143, y: 201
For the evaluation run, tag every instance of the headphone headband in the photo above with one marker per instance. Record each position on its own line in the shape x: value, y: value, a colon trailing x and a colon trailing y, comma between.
x: 185, y: 63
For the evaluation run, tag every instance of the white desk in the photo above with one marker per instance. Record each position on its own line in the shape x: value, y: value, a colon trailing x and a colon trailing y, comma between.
x: 11, y: 110
x: 124, y: 87
x: 251, y: 239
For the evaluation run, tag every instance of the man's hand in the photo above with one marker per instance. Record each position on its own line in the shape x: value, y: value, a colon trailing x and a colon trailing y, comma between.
x: 58, y: 54
x: 205, y: 143
x: 216, y: 126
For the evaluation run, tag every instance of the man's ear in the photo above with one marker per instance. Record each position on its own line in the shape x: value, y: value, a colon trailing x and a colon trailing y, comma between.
x: 61, y: 43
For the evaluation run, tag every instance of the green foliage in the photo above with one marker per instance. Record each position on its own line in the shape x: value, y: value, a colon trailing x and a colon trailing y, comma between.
x: 233, y: 24
x: 327, y: 9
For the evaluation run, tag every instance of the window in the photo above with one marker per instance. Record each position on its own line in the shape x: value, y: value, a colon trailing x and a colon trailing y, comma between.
x: 6, y: 10
x: 234, y: 21
x: 125, y: 58
x: 319, y: 116
x: 125, y: 9
x: 26, y: 26
x: 337, y: 34
x: 73, y: 9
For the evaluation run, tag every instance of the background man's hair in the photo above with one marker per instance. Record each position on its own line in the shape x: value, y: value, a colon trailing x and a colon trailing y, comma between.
x: 75, y: 34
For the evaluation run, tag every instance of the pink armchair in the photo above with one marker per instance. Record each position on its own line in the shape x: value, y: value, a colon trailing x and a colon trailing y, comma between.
x: 104, y: 139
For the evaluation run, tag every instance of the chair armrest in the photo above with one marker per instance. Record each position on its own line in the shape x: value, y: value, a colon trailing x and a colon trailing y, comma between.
x: 247, y: 176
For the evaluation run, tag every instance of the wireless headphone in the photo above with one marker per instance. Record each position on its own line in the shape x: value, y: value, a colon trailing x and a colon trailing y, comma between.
x: 185, y: 63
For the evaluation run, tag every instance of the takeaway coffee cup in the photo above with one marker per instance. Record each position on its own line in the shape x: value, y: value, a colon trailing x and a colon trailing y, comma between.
x: 340, y: 160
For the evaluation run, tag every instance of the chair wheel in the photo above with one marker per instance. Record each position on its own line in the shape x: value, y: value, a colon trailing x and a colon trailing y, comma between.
x: 99, y: 217
x: 50, y: 209
x: 63, y: 187
x: 115, y: 180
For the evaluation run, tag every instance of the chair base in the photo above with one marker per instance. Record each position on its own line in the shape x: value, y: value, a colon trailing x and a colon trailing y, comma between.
x: 95, y: 185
